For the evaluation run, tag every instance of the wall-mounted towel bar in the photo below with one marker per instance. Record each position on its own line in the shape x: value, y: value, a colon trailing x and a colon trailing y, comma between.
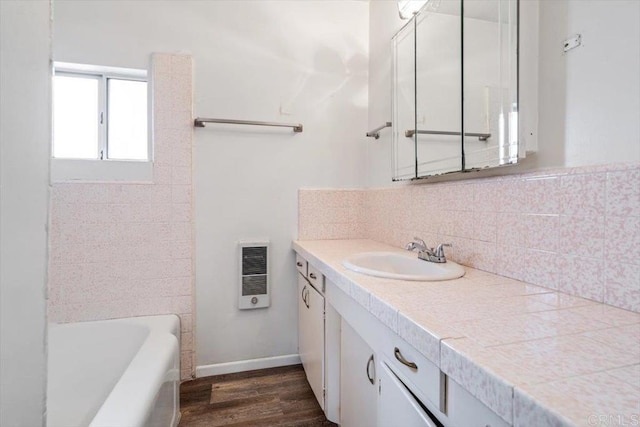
x: 200, y: 121
x: 481, y: 136
x: 376, y: 132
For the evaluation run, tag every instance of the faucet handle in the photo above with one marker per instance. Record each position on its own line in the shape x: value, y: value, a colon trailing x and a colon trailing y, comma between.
x: 440, y: 251
x: 419, y: 240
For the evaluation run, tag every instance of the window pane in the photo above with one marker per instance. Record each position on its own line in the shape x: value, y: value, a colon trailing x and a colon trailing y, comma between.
x: 75, y: 117
x: 127, y: 120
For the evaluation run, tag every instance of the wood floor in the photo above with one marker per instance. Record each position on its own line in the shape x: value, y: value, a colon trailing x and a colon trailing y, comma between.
x: 266, y: 397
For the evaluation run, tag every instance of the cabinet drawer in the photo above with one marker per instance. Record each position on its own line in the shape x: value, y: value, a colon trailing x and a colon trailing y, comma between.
x: 316, y: 278
x: 422, y: 376
x: 301, y: 265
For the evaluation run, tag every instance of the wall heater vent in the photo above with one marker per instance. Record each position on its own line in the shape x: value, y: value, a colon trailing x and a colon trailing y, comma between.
x: 254, y: 275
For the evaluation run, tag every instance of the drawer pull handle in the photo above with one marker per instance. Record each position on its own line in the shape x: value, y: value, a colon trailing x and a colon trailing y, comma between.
x: 299, y: 264
x: 401, y: 359
x: 313, y: 276
x: 372, y: 378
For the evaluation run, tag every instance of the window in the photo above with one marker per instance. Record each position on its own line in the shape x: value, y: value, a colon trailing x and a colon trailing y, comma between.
x: 100, y: 113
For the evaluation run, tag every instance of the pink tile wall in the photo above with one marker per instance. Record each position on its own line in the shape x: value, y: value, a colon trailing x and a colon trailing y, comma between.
x: 126, y: 249
x: 575, y: 230
x: 331, y: 214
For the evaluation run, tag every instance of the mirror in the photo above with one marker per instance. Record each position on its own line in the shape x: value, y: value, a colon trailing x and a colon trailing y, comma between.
x: 404, y: 103
x: 438, y: 88
x: 455, y: 80
x: 490, y: 83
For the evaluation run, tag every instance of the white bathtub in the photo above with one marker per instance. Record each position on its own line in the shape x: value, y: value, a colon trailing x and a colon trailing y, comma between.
x: 122, y: 372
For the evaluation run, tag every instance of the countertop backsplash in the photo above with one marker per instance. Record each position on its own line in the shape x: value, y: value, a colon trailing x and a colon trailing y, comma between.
x: 575, y: 230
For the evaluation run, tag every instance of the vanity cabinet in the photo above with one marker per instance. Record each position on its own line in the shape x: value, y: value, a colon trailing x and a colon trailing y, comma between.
x: 358, y: 381
x: 408, y: 389
x: 371, y: 393
x: 365, y: 375
x: 318, y: 339
x: 311, y: 336
x: 383, y: 380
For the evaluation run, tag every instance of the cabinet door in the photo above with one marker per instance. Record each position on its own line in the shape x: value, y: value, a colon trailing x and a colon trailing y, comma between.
x: 396, y: 405
x: 303, y: 318
x: 358, y: 392
x: 311, y: 336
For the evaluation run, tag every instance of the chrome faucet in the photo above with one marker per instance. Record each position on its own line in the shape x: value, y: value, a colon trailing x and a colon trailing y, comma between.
x: 418, y: 244
x: 426, y: 253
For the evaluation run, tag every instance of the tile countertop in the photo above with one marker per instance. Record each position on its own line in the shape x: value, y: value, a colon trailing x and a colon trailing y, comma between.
x: 533, y: 355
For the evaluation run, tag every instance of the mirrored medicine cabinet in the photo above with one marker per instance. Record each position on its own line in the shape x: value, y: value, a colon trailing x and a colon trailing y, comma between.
x: 455, y: 88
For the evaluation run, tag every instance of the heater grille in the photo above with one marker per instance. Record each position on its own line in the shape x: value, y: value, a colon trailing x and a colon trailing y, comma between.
x: 254, y: 285
x: 254, y: 275
x: 254, y: 260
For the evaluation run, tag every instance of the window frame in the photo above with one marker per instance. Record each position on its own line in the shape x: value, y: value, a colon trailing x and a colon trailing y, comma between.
x: 103, y: 74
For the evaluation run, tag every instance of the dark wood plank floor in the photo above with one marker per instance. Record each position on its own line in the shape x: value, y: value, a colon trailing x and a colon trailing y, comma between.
x: 266, y: 397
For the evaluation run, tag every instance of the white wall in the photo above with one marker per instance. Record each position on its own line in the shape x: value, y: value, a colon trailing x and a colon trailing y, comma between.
x: 384, y: 22
x: 24, y: 173
x: 589, y: 98
x: 277, y: 61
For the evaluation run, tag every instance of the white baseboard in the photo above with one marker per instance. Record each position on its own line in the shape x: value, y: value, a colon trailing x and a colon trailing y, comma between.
x: 246, y: 365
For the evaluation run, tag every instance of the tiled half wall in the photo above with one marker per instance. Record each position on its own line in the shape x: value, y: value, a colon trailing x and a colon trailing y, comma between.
x: 574, y: 230
x: 126, y: 249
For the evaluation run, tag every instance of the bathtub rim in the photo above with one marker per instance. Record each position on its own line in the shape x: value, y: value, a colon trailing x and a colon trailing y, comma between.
x: 139, y: 384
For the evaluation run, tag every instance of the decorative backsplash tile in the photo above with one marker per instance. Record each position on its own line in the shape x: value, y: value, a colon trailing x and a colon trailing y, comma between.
x: 331, y: 214
x: 126, y: 249
x: 576, y: 230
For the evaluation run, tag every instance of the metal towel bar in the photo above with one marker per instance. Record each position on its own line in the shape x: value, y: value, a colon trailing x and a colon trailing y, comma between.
x: 200, y: 122
x: 481, y: 136
x: 376, y: 132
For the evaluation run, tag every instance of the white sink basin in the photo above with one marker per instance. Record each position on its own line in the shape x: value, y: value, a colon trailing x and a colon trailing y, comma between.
x: 393, y: 265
